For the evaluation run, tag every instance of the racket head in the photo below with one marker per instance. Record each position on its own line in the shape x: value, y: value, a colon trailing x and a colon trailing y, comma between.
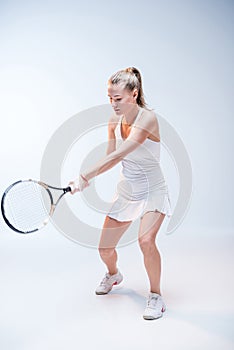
x: 26, y: 206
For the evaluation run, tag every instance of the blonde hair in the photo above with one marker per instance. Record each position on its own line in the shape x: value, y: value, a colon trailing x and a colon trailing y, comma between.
x: 130, y: 78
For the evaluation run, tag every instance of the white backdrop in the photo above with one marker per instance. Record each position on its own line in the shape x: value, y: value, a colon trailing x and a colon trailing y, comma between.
x: 56, y: 57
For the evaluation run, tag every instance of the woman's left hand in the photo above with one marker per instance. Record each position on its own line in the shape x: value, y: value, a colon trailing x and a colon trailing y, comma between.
x: 78, y: 184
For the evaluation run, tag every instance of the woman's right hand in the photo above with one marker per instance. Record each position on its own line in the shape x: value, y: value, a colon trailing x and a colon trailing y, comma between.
x: 78, y: 184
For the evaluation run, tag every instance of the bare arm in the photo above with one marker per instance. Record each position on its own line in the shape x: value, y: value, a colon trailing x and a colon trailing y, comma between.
x: 137, y: 136
x: 111, y: 147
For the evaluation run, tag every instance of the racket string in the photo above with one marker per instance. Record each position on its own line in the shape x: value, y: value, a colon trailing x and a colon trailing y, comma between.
x: 27, y: 206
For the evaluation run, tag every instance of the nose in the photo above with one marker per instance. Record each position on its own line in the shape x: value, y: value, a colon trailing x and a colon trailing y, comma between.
x: 114, y: 104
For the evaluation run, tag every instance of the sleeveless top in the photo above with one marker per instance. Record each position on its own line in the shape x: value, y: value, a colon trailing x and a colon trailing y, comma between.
x: 142, y: 186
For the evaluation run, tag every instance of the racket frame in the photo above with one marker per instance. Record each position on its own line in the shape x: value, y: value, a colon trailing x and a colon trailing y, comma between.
x: 52, y: 202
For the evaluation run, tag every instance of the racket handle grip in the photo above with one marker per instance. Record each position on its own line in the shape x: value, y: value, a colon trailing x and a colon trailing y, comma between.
x: 67, y: 189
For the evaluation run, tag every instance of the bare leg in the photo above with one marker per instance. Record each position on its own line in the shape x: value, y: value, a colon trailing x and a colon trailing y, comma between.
x: 149, y: 227
x: 111, y: 233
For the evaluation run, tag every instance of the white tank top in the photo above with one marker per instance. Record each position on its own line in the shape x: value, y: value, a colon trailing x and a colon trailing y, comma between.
x: 141, y: 172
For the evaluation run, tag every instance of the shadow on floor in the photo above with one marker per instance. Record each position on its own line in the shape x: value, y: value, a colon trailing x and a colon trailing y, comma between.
x: 138, y: 298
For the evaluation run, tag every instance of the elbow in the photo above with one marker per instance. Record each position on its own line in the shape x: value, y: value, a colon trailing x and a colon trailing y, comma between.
x: 109, y: 150
x: 121, y: 155
x: 118, y: 157
x: 115, y: 160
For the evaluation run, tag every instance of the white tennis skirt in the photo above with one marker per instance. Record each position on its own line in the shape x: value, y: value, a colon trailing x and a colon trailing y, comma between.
x: 125, y: 208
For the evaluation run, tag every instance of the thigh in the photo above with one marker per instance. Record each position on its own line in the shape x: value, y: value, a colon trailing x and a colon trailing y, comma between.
x: 150, y: 225
x: 112, y: 231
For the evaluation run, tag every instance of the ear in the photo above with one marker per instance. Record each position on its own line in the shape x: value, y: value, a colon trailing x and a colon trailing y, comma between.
x: 135, y: 94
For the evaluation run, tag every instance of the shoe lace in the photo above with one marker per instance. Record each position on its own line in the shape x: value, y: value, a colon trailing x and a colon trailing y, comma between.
x: 105, y: 279
x: 152, y: 301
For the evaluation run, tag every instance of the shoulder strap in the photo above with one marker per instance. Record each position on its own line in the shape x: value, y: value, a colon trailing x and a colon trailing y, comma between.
x: 138, y: 115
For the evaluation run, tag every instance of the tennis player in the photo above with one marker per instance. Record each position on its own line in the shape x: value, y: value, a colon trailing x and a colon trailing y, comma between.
x: 142, y: 192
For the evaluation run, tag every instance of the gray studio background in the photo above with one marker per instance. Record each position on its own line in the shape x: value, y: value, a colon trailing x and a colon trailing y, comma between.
x: 55, y: 59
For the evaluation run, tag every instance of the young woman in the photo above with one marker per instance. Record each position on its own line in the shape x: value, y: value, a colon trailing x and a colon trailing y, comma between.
x: 142, y: 190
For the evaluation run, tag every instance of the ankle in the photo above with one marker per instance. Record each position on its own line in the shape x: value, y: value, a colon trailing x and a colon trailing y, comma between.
x: 155, y: 292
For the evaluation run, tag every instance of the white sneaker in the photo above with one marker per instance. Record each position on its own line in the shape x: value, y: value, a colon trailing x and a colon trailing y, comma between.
x: 155, y: 307
x: 108, y: 282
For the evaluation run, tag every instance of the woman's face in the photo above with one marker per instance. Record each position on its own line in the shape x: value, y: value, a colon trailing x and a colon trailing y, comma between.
x: 122, y: 100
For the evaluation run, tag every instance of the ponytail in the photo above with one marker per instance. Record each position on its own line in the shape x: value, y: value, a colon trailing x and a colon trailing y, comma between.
x: 131, y: 79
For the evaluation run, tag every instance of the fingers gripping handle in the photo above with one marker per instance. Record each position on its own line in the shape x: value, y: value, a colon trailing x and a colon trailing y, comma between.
x: 78, y: 184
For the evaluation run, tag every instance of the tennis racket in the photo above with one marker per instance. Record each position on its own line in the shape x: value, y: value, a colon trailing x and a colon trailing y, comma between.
x: 27, y: 205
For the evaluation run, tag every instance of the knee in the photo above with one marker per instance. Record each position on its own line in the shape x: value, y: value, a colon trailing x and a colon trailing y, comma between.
x: 146, y: 243
x: 106, y: 252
